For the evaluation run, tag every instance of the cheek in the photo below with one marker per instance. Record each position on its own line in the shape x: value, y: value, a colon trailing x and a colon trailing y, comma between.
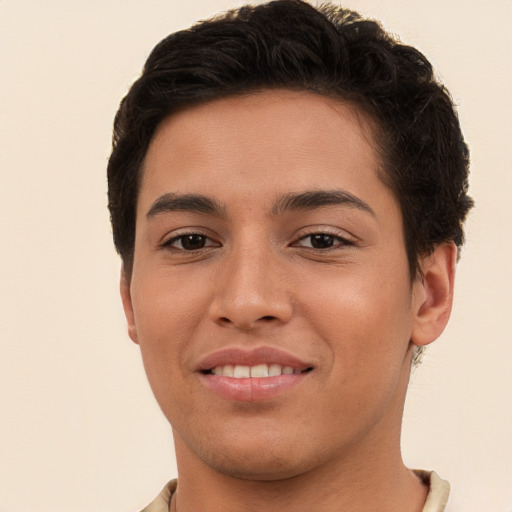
x: 363, y: 317
x: 166, y: 314
x: 166, y: 307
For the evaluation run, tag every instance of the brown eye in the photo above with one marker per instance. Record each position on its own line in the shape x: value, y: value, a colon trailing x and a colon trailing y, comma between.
x: 190, y: 242
x: 193, y: 242
x: 322, y: 241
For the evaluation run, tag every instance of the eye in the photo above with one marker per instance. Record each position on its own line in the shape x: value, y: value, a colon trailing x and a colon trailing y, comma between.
x: 190, y: 242
x: 323, y: 241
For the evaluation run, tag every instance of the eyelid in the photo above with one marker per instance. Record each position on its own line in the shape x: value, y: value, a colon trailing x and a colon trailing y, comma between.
x: 345, y: 239
x: 325, y: 230
x: 183, y: 232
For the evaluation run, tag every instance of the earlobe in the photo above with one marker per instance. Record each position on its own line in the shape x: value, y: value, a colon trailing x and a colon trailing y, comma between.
x: 433, y: 294
x: 126, y: 297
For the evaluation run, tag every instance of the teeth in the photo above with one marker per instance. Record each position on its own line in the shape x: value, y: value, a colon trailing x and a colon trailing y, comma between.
x: 241, y: 372
x: 258, y: 371
x: 228, y: 370
x: 274, y: 370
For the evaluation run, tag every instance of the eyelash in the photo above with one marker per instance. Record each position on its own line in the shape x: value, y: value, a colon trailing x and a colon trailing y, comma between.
x: 336, y: 241
x: 168, y: 244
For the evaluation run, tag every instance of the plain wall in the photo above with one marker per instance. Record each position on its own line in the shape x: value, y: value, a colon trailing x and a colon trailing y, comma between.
x: 79, y: 428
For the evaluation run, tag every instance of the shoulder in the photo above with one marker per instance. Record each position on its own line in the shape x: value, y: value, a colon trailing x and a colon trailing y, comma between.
x: 436, y: 500
x: 162, y: 501
x: 439, y: 491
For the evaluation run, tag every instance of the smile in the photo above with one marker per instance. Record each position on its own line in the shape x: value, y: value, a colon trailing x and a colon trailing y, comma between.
x: 259, y: 371
x: 258, y: 374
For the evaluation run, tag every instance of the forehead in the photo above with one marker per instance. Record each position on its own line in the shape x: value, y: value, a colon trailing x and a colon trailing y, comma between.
x: 270, y: 141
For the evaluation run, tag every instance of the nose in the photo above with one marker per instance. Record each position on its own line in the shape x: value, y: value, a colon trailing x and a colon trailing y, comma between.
x: 250, y: 291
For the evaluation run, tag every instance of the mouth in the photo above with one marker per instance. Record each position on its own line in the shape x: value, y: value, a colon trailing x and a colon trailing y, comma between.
x: 258, y: 371
x: 258, y: 374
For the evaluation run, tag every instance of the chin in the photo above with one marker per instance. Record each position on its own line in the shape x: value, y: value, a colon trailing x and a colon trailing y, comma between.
x: 267, y: 457
x: 256, y: 468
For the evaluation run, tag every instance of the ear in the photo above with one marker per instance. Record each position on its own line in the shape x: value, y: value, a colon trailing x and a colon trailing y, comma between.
x: 433, y: 294
x: 126, y: 297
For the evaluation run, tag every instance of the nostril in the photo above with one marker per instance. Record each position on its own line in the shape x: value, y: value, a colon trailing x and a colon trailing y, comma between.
x: 246, y: 323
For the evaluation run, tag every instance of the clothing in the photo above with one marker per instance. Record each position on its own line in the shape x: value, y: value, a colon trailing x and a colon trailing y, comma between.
x: 163, y: 500
x: 436, y: 499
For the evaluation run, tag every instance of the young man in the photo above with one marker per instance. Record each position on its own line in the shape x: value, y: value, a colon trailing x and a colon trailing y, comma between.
x: 287, y: 189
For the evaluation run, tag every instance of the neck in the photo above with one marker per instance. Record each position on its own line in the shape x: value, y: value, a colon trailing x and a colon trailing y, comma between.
x: 384, y: 486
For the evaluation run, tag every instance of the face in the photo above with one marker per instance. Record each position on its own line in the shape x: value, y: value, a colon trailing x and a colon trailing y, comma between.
x: 270, y: 292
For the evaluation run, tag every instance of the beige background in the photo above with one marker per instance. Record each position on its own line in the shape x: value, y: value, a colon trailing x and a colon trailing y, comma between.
x: 79, y: 429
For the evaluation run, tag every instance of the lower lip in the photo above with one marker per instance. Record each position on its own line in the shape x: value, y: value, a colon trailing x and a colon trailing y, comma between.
x: 251, y: 389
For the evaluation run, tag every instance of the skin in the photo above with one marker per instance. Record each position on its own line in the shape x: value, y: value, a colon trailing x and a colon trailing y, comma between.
x: 349, y: 309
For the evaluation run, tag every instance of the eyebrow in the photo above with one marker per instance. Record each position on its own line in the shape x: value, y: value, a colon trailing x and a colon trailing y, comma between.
x: 196, y: 203
x: 313, y: 199
x: 309, y: 200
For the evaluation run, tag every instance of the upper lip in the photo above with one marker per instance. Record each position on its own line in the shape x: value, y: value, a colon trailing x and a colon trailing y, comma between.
x: 251, y: 357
